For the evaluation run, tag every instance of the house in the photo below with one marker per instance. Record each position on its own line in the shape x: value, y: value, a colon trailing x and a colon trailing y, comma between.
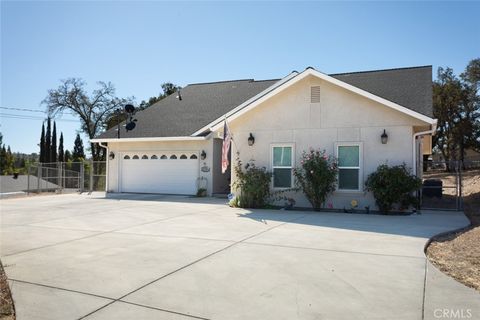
x: 176, y: 145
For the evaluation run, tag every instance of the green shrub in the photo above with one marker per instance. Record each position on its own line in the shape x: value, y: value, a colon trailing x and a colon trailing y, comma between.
x: 201, y: 192
x: 253, y: 183
x: 316, y: 176
x: 393, y: 186
x: 235, y: 202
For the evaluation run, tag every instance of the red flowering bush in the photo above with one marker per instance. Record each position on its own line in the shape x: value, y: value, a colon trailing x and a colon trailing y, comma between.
x: 316, y: 176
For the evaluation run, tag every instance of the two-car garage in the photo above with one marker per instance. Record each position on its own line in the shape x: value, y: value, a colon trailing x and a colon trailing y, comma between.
x: 159, y: 172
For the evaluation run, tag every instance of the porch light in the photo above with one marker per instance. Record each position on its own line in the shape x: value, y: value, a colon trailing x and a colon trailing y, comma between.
x: 384, y: 137
x: 203, y: 155
x: 111, y: 155
x: 251, y: 140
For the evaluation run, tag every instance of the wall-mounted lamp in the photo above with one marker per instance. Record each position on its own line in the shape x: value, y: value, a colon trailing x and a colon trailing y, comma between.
x: 203, y: 155
x: 111, y: 155
x: 384, y: 137
x: 251, y: 140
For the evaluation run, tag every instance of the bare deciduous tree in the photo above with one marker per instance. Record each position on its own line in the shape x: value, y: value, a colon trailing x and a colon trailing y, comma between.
x: 93, y: 110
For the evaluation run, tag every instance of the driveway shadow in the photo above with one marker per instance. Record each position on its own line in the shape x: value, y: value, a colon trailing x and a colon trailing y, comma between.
x: 423, y: 225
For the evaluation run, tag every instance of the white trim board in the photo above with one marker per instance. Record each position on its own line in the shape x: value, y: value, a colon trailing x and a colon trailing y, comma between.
x: 149, y: 139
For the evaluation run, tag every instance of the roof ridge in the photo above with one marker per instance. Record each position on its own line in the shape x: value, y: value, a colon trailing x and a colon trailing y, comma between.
x: 380, y: 70
x: 226, y: 81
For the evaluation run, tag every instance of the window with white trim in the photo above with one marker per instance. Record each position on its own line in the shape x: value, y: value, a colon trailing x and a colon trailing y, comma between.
x: 349, y: 166
x: 282, y: 165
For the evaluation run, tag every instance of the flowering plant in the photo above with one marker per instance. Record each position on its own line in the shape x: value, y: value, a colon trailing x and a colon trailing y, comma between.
x: 354, y: 204
x: 316, y: 176
x: 253, y: 183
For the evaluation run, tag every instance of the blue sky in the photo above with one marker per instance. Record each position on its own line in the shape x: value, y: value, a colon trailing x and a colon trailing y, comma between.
x: 139, y: 45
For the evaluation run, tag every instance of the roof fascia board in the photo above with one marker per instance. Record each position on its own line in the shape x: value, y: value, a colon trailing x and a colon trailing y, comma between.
x: 150, y: 139
x: 282, y: 85
x: 267, y: 91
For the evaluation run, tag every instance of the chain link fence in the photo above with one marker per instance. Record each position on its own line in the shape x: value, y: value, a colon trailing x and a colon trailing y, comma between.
x: 86, y: 176
x: 442, y: 185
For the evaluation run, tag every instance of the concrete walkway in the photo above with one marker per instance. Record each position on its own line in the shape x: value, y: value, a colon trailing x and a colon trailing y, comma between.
x: 165, y: 257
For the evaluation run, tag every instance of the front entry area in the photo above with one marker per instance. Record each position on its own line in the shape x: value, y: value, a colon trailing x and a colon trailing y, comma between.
x: 173, y: 172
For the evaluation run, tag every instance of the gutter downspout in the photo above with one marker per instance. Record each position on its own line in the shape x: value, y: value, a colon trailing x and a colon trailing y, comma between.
x: 107, y: 165
x: 415, y: 135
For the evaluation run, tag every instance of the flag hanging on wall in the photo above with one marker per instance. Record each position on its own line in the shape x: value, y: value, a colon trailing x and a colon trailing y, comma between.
x: 227, y: 139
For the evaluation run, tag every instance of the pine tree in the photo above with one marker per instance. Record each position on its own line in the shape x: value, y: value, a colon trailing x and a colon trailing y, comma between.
x: 48, y: 141
x: 42, y: 144
x: 53, y: 148
x: 78, y: 151
x: 61, y: 153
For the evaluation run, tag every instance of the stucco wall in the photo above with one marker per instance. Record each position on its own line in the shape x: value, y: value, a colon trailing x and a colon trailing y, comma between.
x: 341, y: 116
x: 196, y: 146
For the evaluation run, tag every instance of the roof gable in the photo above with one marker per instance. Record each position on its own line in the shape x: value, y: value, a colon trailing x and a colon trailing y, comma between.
x: 235, y: 113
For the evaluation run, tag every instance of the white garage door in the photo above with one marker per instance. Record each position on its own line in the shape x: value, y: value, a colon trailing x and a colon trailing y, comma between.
x: 160, y: 172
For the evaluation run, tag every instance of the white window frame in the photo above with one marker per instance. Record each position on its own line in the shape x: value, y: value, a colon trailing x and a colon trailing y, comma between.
x: 360, y: 165
x: 291, y: 167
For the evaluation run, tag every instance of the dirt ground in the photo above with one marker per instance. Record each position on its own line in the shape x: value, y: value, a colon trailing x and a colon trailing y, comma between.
x: 458, y: 254
x: 7, y: 311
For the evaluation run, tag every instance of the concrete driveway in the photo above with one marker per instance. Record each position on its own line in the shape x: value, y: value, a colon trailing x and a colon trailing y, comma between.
x: 165, y: 257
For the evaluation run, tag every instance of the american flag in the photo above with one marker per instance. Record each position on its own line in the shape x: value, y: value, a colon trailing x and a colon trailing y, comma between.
x: 227, y: 139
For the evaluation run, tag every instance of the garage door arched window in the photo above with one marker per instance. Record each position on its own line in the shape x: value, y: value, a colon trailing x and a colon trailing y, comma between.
x: 173, y: 156
x: 126, y: 157
x: 135, y: 157
x: 163, y: 157
x: 154, y: 157
x: 193, y: 156
x: 183, y: 156
x: 144, y: 157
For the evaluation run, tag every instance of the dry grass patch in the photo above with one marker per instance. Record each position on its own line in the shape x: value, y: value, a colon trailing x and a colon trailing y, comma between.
x: 7, y: 311
x: 458, y: 254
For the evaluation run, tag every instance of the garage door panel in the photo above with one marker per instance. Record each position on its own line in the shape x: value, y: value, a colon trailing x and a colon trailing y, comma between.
x: 173, y: 176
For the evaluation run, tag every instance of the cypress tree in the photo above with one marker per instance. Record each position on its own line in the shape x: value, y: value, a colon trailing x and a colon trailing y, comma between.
x: 3, y: 159
x: 42, y: 144
x: 10, y: 162
x: 61, y: 153
x: 67, y: 156
x: 48, y: 142
x: 78, y: 152
x: 53, y: 148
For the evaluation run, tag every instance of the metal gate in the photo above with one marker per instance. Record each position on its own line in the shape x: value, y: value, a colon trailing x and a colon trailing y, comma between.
x: 442, y: 185
x: 66, y: 177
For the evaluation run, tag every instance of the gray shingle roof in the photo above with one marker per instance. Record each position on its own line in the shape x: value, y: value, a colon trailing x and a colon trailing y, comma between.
x: 201, y: 104
x: 204, y: 102
x: 409, y: 87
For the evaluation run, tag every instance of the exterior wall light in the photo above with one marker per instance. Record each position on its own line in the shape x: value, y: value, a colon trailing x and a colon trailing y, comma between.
x: 384, y: 137
x: 111, y: 155
x: 251, y: 140
x: 203, y: 155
